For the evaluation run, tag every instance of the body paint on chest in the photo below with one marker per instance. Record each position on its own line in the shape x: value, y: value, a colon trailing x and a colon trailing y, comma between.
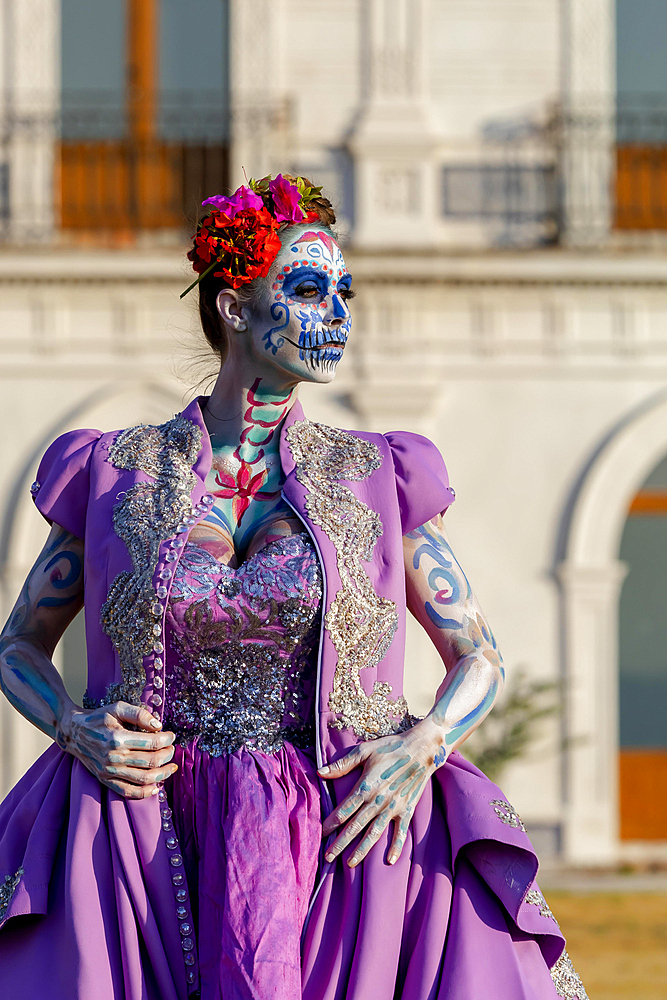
x: 242, y: 480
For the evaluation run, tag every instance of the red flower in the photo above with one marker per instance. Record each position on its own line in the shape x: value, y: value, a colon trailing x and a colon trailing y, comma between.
x: 245, y: 246
x: 240, y: 490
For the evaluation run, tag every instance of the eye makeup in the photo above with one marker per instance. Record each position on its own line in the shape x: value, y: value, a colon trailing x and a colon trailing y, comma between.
x: 309, y: 283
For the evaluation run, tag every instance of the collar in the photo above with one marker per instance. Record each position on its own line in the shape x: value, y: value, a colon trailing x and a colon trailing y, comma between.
x: 194, y: 412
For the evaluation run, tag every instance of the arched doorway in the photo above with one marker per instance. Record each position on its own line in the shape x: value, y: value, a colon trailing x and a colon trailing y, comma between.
x: 643, y: 664
x: 590, y: 573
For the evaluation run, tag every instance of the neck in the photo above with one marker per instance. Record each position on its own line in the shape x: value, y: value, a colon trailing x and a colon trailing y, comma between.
x: 246, y: 416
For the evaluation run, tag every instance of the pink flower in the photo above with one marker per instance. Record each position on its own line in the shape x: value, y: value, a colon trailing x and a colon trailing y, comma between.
x: 244, y: 197
x: 286, y: 198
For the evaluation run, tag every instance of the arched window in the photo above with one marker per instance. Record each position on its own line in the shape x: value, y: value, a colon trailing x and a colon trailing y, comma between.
x: 643, y: 664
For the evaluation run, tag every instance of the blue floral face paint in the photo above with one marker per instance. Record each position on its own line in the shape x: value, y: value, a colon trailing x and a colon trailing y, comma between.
x: 308, y: 302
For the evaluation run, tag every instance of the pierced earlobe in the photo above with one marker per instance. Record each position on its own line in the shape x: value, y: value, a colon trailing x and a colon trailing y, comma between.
x: 231, y: 310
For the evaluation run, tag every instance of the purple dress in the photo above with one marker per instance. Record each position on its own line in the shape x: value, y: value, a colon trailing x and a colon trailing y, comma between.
x: 245, y: 803
x: 94, y: 900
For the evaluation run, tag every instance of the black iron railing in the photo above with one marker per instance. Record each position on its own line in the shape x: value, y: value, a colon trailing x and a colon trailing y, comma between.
x: 94, y: 169
x: 579, y: 175
x: 86, y: 170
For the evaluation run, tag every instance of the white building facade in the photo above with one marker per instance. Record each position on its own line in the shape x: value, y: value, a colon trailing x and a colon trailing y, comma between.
x: 501, y: 310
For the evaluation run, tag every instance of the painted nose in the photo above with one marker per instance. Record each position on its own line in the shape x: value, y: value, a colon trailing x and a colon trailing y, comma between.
x: 338, y: 312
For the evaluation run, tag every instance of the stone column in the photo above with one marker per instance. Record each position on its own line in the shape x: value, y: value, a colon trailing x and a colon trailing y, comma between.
x: 392, y: 143
x: 587, y: 134
x: 590, y: 598
x: 260, y: 113
x: 29, y: 107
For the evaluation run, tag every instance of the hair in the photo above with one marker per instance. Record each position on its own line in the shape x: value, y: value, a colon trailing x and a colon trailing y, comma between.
x: 210, y: 286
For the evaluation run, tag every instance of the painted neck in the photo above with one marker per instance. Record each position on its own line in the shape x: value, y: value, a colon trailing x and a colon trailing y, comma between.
x: 248, y: 420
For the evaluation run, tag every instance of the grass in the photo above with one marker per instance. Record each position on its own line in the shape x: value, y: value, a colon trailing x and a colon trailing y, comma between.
x: 617, y: 941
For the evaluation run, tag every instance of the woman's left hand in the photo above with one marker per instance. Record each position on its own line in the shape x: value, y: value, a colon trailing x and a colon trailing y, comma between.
x: 395, y: 772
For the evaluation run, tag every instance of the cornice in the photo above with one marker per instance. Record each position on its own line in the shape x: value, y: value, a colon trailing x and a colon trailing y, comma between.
x: 493, y: 269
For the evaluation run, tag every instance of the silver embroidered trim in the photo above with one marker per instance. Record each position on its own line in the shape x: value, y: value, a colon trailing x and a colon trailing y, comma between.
x: 535, y: 898
x: 361, y: 624
x: 7, y: 890
x: 144, y: 516
x: 566, y: 980
x: 507, y: 814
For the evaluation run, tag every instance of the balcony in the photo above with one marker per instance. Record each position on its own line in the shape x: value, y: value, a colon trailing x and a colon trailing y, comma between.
x: 105, y: 172
x: 99, y: 173
x: 575, y: 177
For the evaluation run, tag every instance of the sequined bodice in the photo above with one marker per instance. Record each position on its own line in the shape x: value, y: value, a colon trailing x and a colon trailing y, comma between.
x: 242, y: 648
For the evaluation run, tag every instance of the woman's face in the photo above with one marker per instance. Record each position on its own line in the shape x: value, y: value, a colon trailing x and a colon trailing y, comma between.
x: 301, y: 320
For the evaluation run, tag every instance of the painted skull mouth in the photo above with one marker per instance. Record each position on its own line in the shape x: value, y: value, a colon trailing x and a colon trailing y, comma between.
x: 318, y: 347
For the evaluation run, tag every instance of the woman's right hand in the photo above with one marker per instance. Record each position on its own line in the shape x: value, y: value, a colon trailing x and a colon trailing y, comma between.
x: 128, y: 762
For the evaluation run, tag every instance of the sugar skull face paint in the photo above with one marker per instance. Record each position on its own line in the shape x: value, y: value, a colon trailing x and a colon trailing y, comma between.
x: 308, y: 307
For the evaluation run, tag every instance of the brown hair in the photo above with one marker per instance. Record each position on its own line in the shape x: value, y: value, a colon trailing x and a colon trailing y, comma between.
x: 210, y: 286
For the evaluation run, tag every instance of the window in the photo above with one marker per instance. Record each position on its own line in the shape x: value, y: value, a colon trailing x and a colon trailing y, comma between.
x: 144, y: 113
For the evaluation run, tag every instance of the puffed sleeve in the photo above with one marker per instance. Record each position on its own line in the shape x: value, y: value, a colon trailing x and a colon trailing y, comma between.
x: 61, y: 488
x: 422, y: 482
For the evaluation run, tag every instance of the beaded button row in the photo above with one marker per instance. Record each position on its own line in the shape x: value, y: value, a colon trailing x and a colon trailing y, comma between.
x: 179, y: 882
x: 178, y: 878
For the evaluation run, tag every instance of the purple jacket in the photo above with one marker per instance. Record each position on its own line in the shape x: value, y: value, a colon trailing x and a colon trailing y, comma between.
x: 133, y: 496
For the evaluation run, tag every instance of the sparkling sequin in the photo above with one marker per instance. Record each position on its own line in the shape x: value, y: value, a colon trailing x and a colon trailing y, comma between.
x: 361, y: 624
x: 243, y: 669
x: 7, y: 890
x: 146, y: 514
x: 566, y: 980
x: 507, y: 813
x: 35, y: 488
x: 535, y: 897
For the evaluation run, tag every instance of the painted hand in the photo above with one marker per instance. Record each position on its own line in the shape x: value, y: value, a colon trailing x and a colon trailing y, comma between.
x: 395, y: 772
x: 128, y: 762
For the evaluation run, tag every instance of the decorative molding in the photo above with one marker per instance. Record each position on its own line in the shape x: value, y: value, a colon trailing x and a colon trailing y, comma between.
x: 393, y: 142
x: 589, y: 30
x: 588, y: 95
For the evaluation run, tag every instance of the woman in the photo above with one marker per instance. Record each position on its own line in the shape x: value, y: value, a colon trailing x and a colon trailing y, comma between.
x: 245, y: 575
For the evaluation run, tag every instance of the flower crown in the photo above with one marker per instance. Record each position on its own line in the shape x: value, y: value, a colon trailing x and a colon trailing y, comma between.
x: 240, y: 233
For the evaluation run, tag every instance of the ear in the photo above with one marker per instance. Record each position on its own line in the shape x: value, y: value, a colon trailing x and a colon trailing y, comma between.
x: 230, y: 309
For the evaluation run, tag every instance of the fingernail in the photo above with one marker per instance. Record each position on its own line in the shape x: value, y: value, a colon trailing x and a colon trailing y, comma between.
x: 324, y: 769
x: 393, y: 860
x: 330, y: 857
x: 155, y: 790
x: 354, y: 860
x: 156, y: 724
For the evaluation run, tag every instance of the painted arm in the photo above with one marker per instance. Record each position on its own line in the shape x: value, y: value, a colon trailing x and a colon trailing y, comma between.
x: 127, y: 761
x: 396, y: 769
x: 441, y: 599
